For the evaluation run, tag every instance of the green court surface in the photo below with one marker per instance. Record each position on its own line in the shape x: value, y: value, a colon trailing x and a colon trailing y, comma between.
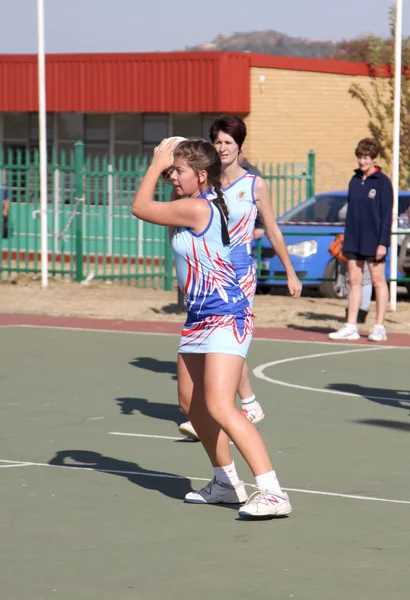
x: 88, y: 512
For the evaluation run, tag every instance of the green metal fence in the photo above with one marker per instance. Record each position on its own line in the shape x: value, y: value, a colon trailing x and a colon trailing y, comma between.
x: 91, y: 232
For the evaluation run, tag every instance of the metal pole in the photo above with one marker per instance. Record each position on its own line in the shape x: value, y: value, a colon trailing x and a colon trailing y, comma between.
x: 396, y: 151
x: 111, y: 189
x: 42, y: 141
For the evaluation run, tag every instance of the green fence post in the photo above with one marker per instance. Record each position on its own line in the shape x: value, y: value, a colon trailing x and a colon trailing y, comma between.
x: 311, y: 172
x: 79, y: 192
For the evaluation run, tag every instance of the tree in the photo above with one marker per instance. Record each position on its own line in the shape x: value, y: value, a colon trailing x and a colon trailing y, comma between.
x: 379, y: 104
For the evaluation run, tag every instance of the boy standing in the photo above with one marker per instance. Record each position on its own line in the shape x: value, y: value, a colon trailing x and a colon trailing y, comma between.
x: 367, y: 237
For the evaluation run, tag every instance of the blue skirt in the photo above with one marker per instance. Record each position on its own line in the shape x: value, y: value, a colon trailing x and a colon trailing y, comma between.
x: 223, y: 334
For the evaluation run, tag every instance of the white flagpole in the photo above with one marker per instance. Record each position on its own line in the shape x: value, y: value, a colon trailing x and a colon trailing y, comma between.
x: 42, y: 141
x: 396, y: 150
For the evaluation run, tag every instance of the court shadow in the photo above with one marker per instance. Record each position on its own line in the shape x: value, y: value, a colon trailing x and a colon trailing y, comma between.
x: 321, y: 317
x: 157, y: 410
x: 169, y: 309
x: 386, y: 423
x: 155, y: 366
x: 173, y: 486
x: 311, y: 329
x: 395, y: 398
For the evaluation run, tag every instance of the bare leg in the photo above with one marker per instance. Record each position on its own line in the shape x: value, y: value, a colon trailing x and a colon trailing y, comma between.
x: 377, y: 271
x: 192, y: 401
x: 222, y: 375
x: 244, y: 387
x: 355, y: 268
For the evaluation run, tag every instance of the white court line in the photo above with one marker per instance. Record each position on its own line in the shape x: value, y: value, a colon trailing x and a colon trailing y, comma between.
x: 146, y: 435
x: 16, y: 464
x: 166, y: 476
x: 94, y: 330
x: 259, y: 372
x: 157, y: 333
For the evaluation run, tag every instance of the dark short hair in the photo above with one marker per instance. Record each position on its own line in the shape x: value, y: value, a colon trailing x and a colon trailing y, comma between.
x: 230, y: 124
x: 367, y: 147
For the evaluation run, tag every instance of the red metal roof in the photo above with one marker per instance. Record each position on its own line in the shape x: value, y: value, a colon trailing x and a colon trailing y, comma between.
x: 160, y: 82
x: 147, y: 82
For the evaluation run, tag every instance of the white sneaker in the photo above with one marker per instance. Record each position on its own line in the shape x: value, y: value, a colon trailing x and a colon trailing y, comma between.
x: 264, y: 503
x: 188, y: 430
x: 347, y: 332
x: 216, y: 492
x: 254, y: 414
x: 377, y: 334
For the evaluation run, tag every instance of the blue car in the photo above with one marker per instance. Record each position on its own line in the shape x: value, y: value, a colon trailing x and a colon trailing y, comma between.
x: 309, y: 228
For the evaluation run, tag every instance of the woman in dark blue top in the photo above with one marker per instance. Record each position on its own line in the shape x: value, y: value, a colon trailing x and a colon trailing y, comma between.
x: 367, y: 237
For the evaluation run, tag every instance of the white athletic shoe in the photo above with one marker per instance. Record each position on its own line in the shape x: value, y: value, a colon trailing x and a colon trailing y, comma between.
x: 377, y: 334
x: 216, y: 492
x: 347, y: 332
x: 188, y: 430
x: 254, y: 414
x: 264, y: 503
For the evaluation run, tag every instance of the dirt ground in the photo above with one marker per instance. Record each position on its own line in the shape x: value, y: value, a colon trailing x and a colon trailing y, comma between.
x: 102, y: 300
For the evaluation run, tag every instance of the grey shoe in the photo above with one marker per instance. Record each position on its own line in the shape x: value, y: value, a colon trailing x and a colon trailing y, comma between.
x: 216, y: 492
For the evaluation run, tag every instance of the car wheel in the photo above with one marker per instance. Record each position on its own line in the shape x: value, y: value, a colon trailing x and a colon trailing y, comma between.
x: 337, y: 288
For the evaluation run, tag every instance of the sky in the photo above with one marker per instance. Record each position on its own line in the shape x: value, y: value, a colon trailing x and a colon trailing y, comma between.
x: 164, y: 25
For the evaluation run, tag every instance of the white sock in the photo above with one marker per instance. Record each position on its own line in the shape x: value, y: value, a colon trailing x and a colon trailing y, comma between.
x: 268, y: 481
x: 248, y: 402
x: 226, y: 474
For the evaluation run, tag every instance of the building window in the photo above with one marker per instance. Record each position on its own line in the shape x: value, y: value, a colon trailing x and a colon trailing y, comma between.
x: 16, y: 126
x: 35, y: 131
x: 97, y: 128
x: 187, y: 125
x: 128, y: 127
x: 206, y: 124
x: 70, y: 127
x: 155, y: 129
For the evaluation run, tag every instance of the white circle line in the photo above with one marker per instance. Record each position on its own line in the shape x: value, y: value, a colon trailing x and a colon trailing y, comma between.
x: 259, y: 372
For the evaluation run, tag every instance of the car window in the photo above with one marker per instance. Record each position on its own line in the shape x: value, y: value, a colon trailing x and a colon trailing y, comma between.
x: 323, y: 208
x: 404, y: 203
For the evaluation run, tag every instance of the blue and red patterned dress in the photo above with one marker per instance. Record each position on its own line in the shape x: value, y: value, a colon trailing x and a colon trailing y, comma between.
x: 219, y: 316
x: 240, y: 199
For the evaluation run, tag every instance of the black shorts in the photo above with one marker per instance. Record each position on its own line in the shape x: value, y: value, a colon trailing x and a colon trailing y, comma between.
x: 358, y: 256
x: 5, y: 227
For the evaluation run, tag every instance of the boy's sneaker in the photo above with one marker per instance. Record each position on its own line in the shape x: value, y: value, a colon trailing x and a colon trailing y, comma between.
x: 216, y: 492
x: 263, y: 503
x: 347, y: 332
x: 188, y: 430
x: 377, y: 334
x: 254, y: 414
